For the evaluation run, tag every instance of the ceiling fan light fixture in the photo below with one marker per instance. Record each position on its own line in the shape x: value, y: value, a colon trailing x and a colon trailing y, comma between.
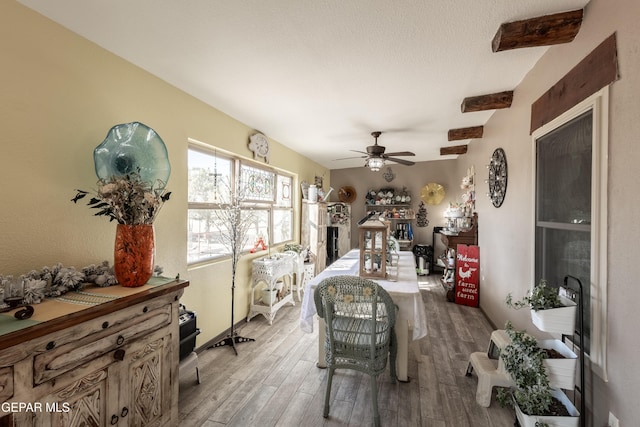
x: 375, y: 163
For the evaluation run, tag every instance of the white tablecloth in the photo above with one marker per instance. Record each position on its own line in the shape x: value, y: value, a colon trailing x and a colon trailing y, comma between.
x: 404, y: 292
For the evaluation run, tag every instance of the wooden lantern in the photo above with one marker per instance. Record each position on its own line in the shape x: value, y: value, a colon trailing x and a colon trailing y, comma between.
x: 373, y: 249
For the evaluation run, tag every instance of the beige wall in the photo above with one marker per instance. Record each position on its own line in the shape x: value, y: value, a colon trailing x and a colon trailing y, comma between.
x: 413, y: 178
x: 59, y: 96
x: 506, y: 234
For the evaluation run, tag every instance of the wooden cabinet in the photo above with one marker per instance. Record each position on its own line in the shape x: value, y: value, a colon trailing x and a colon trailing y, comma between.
x: 451, y: 240
x: 313, y: 233
x: 114, y: 363
x: 467, y: 237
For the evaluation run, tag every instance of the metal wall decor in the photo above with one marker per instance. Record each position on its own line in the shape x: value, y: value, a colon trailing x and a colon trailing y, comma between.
x: 497, y: 177
x: 389, y: 175
x: 259, y: 144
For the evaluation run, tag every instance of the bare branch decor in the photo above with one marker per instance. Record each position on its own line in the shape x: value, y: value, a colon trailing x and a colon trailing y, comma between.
x: 233, y: 221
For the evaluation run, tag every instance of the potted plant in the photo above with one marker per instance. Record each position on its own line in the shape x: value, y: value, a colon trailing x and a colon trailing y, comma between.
x: 536, y: 403
x: 560, y: 363
x: 550, y: 312
x: 269, y: 296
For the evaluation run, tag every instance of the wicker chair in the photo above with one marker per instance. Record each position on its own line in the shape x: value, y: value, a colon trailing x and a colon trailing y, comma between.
x: 359, y: 317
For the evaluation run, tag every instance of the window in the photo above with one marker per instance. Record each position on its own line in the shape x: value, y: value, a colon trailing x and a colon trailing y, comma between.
x: 267, y: 198
x: 570, y: 211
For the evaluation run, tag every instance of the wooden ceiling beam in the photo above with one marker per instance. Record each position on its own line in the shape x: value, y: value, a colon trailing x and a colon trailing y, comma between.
x: 465, y: 133
x: 541, y: 31
x: 456, y: 149
x: 492, y: 101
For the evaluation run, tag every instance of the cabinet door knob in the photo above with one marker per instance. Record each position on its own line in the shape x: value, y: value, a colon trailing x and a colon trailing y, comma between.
x: 125, y: 412
x: 120, y: 340
x: 119, y: 354
x: 114, y: 420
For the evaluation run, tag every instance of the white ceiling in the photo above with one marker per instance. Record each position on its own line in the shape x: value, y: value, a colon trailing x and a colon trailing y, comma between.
x: 320, y: 75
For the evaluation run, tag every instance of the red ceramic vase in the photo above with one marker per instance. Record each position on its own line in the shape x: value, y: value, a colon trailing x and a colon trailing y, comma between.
x: 133, y: 254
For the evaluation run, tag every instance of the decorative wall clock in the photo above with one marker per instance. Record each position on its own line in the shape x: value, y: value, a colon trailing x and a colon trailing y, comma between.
x: 497, y: 177
x: 259, y: 144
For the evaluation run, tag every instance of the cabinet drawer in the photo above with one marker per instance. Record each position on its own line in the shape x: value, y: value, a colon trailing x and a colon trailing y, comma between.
x: 6, y: 383
x: 114, y: 331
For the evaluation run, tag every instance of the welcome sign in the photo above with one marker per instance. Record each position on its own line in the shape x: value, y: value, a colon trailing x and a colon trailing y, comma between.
x: 468, y: 275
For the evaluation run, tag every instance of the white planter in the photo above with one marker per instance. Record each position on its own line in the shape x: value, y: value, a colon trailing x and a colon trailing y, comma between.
x: 571, y: 421
x: 269, y: 296
x: 560, y: 320
x: 561, y: 372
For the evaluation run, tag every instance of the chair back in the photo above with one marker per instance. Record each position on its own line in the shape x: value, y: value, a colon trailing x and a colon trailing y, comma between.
x: 359, y: 319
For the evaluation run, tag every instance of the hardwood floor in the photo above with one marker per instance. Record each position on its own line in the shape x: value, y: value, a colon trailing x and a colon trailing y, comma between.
x: 274, y: 381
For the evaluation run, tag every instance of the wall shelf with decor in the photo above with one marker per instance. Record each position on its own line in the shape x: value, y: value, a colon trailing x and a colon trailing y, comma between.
x: 400, y: 218
x: 394, y: 205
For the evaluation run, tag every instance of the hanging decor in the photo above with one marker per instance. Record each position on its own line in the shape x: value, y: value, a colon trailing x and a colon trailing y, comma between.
x: 259, y: 144
x: 421, y: 216
x: 497, y: 177
x: 347, y: 194
x: 432, y: 193
x: 133, y: 168
x: 389, y: 175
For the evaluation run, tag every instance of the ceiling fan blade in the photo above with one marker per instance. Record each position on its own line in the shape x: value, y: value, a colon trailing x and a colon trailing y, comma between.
x: 348, y: 158
x: 362, y: 152
x: 401, y: 161
x: 400, y: 153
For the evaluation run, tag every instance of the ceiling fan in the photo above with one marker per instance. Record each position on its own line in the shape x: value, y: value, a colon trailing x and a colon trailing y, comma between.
x: 376, y: 156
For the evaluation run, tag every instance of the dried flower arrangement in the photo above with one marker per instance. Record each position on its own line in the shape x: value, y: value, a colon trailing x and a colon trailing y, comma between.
x: 127, y: 199
x: 51, y: 282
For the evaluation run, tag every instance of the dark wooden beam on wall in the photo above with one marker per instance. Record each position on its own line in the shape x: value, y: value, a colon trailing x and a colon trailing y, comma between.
x: 456, y: 149
x: 597, y: 70
x: 465, y: 133
x: 492, y: 101
x: 541, y: 31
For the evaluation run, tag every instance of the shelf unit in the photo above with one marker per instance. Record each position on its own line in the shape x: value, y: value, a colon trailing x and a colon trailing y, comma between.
x: 400, y: 227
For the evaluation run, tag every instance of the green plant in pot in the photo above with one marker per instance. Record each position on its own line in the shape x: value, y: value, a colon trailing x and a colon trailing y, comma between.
x: 536, y: 403
x: 550, y: 312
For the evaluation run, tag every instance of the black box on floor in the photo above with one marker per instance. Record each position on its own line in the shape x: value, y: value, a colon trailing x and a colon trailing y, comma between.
x: 188, y: 344
x: 188, y: 331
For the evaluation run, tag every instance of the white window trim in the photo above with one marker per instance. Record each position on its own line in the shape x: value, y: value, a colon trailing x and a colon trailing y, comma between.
x: 237, y: 161
x: 599, y: 103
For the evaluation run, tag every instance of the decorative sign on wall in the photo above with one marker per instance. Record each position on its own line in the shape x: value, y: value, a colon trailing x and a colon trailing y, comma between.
x: 468, y: 275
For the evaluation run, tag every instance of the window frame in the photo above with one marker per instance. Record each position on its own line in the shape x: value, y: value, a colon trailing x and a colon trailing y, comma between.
x: 255, y: 205
x: 599, y: 104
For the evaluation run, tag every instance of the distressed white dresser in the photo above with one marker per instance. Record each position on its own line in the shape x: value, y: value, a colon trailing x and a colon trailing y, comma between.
x: 99, y: 357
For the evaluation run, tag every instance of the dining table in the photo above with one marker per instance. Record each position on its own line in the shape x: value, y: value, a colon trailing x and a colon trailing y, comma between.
x: 404, y: 291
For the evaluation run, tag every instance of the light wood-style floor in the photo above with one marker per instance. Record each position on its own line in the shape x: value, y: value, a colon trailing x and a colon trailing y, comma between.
x: 274, y: 381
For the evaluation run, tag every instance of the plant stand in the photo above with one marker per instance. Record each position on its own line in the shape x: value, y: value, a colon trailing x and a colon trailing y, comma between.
x: 233, y: 338
x: 581, y: 322
x: 269, y: 272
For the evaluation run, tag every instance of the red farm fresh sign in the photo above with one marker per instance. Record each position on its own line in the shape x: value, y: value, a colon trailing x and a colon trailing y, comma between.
x: 468, y: 275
